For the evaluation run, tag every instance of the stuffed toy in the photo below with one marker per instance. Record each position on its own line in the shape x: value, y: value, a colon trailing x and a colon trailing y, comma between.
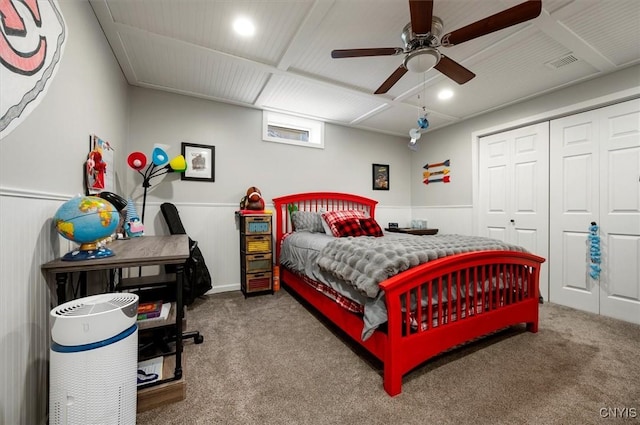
x: 253, y: 200
x: 133, y: 227
x: 96, y: 169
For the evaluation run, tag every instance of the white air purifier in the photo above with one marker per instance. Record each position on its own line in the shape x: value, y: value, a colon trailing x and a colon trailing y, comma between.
x: 94, y: 361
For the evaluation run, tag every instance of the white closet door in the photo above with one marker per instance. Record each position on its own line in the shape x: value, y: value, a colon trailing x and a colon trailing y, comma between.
x: 514, y: 185
x: 574, y: 204
x: 619, y: 177
x: 495, y: 185
x: 595, y: 177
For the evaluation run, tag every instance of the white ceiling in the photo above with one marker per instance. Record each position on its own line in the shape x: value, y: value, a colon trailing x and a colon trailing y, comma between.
x: 189, y: 47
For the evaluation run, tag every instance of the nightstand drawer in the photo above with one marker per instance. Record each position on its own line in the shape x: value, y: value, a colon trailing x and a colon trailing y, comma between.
x: 257, y: 244
x: 256, y: 282
x: 257, y: 263
x: 257, y: 225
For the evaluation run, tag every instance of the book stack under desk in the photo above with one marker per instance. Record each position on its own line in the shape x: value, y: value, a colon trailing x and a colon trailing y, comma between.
x: 160, y: 321
x: 156, y: 309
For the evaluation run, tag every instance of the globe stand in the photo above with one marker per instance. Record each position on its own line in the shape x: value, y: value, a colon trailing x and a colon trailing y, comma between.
x: 88, y: 251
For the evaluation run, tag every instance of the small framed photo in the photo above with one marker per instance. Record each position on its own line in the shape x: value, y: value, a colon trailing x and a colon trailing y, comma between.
x: 201, y: 162
x: 380, y: 176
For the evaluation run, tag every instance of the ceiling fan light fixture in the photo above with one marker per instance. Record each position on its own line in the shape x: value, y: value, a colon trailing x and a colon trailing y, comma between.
x: 445, y: 94
x: 421, y: 60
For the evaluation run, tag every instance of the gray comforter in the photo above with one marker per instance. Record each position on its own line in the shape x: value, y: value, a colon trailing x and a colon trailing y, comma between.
x: 365, y: 262
x: 376, y: 260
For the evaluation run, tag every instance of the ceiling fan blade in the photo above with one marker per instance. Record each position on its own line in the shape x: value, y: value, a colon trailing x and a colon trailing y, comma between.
x: 421, y: 16
x: 393, y: 78
x: 512, y: 16
x: 354, y: 53
x: 454, y: 70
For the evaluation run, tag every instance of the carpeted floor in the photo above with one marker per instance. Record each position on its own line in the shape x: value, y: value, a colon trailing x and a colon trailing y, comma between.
x: 269, y: 360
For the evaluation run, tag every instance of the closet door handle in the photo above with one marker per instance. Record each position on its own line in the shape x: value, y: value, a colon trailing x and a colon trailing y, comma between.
x: 512, y: 221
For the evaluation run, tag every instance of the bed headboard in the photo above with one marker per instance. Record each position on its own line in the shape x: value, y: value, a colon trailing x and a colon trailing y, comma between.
x: 316, y: 202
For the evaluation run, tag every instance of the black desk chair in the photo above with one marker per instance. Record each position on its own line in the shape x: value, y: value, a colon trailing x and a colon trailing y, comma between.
x: 197, y: 279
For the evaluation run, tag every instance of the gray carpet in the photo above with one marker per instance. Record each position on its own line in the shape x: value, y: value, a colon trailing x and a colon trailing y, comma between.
x: 269, y: 360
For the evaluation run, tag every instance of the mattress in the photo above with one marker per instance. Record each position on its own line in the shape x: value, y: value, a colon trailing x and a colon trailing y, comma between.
x: 317, y: 257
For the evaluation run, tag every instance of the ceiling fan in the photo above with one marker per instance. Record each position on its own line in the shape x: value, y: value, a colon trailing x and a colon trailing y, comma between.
x: 421, y: 38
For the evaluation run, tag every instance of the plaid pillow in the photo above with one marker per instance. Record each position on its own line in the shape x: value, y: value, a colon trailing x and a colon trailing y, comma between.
x: 370, y: 227
x: 349, y: 227
x: 307, y: 221
x: 332, y: 217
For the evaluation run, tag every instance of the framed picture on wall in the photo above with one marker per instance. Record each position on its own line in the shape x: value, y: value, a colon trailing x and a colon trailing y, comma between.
x: 380, y: 176
x: 200, y: 162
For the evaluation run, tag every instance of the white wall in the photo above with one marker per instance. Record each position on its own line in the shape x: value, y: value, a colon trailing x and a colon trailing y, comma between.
x: 454, y: 142
x: 242, y: 160
x: 40, y: 167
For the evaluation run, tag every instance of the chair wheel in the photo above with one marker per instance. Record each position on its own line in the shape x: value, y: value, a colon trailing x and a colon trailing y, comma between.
x: 198, y: 339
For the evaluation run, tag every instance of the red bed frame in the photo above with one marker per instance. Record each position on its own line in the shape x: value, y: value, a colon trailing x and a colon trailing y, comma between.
x: 401, y: 348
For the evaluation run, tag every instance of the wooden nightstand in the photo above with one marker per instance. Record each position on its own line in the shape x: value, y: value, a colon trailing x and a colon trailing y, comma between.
x: 256, y: 258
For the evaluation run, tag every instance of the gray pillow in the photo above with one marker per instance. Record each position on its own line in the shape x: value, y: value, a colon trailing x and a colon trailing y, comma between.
x: 307, y: 221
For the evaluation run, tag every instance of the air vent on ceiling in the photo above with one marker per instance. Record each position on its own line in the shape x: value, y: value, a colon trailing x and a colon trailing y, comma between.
x: 563, y: 61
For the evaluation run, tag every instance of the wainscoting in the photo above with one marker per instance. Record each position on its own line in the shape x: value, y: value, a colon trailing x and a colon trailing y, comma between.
x: 28, y: 240
x: 215, y: 228
x: 447, y: 219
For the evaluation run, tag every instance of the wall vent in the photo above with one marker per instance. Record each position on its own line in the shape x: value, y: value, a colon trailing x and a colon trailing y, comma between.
x: 563, y: 61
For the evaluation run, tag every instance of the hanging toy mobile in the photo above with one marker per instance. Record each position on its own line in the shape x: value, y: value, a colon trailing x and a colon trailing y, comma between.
x: 423, y: 122
x: 415, y: 133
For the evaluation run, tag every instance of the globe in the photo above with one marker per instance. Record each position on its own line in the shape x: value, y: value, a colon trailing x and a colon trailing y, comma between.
x: 86, y: 220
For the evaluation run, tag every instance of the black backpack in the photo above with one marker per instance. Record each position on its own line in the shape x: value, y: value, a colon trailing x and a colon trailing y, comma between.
x: 197, y: 279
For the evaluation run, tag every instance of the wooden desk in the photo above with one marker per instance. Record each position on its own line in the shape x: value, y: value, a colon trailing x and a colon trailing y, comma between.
x: 134, y: 252
x: 412, y: 231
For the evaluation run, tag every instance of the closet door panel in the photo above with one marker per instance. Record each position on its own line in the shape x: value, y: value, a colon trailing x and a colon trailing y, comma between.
x: 573, y: 270
x: 514, y: 184
x: 578, y: 191
x: 574, y: 194
x: 494, y: 196
x: 620, y: 211
x: 620, y: 282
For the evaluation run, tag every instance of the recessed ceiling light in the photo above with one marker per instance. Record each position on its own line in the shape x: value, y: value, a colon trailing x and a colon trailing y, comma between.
x: 244, y: 27
x: 445, y: 94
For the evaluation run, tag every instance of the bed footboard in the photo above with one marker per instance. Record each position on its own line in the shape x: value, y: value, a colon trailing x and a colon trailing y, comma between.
x: 463, y: 297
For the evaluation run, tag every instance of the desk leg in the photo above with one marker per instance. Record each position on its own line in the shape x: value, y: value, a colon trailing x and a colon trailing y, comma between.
x: 83, y: 284
x: 61, y: 288
x: 179, y: 317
